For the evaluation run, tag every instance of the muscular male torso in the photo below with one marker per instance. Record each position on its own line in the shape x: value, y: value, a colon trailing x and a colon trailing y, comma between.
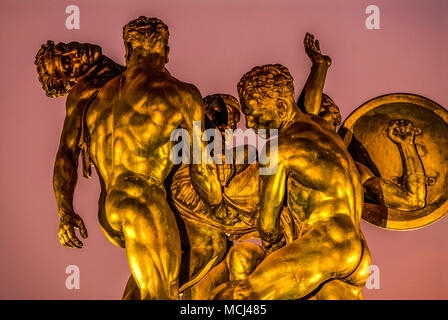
x: 318, y: 183
x: 130, y: 124
x: 322, y: 174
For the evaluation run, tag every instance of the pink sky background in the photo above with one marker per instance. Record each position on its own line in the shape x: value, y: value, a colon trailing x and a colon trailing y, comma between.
x: 212, y: 44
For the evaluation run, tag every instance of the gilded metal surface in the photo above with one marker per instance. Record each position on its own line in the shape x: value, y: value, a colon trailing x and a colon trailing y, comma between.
x: 129, y: 124
x: 205, y: 242
x: 177, y: 223
x: 78, y: 70
x: 206, y: 231
x: 317, y: 182
x: 366, y: 133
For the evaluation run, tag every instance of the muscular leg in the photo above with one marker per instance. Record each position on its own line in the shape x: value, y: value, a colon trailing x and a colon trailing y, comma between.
x: 151, y: 235
x: 331, y: 249
x: 241, y: 260
x: 348, y: 288
x: 207, y: 247
x: 338, y: 290
x: 204, y: 288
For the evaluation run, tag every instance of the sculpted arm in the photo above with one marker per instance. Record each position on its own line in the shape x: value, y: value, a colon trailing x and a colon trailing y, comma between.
x: 65, y: 178
x: 272, y: 197
x: 330, y: 246
x: 412, y: 195
x: 311, y: 96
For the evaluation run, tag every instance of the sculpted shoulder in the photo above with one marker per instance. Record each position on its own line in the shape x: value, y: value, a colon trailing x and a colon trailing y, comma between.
x: 78, y: 97
x: 109, y: 90
x: 308, y: 140
x: 158, y: 84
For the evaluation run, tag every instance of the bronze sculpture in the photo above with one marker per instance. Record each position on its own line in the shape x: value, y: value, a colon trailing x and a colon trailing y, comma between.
x: 122, y: 119
x: 130, y: 150
x: 206, y: 236
x: 325, y: 212
x: 78, y: 70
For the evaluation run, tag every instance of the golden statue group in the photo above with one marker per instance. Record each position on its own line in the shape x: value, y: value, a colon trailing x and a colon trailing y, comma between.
x: 186, y: 226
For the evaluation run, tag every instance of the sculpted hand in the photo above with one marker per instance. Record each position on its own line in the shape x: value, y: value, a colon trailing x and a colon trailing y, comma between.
x: 272, y: 238
x: 401, y: 131
x: 69, y: 221
x: 269, y: 247
x: 313, y: 51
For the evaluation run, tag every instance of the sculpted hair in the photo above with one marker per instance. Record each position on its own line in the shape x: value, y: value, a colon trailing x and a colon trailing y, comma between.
x: 329, y: 105
x: 227, y: 99
x: 54, y: 87
x: 137, y: 31
x: 269, y: 81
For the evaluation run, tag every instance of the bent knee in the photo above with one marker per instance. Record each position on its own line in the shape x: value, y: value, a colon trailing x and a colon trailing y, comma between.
x: 242, y: 259
x: 360, y: 275
x: 344, y: 242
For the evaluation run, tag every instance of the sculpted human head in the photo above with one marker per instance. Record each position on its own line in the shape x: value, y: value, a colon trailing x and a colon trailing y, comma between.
x: 330, y: 111
x: 223, y: 112
x: 150, y: 34
x: 61, y: 66
x: 267, y: 96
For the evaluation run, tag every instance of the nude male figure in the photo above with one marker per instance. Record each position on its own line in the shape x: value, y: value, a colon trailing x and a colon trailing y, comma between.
x: 207, y: 237
x: 130, y: 125
x: 242, y: 258
x: 125, y: 130
x: 78, y: 70
x: 316, y: 193
x: 317, y: 183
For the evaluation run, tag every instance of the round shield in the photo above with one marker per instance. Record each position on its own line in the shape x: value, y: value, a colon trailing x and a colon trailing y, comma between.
x: 365, y: 133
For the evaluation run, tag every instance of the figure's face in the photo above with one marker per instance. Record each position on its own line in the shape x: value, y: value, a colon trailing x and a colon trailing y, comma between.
x: 260, y: 114
x: 65, y: 63
x: 330, y: 113
x: 233, y: 117
x: 72, y: 60
x: 76, y: 59
x: 223, y: 114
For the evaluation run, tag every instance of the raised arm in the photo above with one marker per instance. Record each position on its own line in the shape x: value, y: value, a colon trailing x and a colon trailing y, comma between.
x: 65, y: 177
x: 411, y: 195
x: 311, y: 96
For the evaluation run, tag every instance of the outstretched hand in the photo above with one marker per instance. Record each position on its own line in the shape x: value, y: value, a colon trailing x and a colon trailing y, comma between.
x: 312, y: 49
x: 67, y: 225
